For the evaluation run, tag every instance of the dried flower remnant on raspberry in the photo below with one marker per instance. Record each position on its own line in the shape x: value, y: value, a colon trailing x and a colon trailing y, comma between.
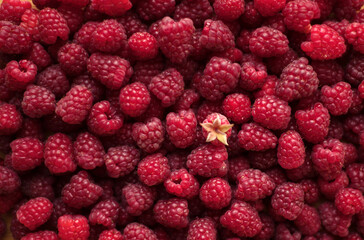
x: 217, y: 127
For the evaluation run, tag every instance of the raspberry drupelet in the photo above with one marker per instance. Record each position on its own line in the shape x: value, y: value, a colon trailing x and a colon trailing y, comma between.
x: 216, y: 129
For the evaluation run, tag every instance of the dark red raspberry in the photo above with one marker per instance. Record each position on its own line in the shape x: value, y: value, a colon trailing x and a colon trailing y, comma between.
x: 20, y: 74
x: 354, y: 35
x: 328, y: 72
x: 298, y: 15
x: 351, y: 154
x: 253, y: 137
x: 122, y: 160
x: 236, y: 107
x: 137, y: 231
x: 338, y: 98
x: 360, y: 221
x: 263, y: 160
x: 330, y: 188
x: 73, y: 59
x: 202, y: 228
x: 333, y: 221
x: 58, y: 154
x: 105, y: 213
x: 112, y: 234
x: 349, y: 201
x: 207, y: 108
x: 287, y: 231
x: 220, y: 76
x: 60, y: 209
x: 289, y: 88
x: 336, y: 129
x: 313, y: 123
x: 275, y: 22
x: 308, y: 222
x: 312, y: 192
x: 52, y: 26
x: 268, y: 228
x: 17, y: 229
x: 132, y: 23
x: 73, y: 16
x: 47, y: 235
x: 81, y: 191
x: 216, y: 36
x: 89, y: 152
x: 268, y: 42
x: 288, y: 200
x: 54, y: 79
x: 94, y: 86
x: 138, y: 198
x: 198, y: 11
x: 11, y: 119
x: 12, y: 10
x: 35, y: 212
x: 27, y: 153
x: 84, y: 34
x: 251, y: 17
x: 167, y: 86
x: 38, y: 101
x: 242, y: 219
x: 149, y: 136
x: 9, y: 180
x: 134, y: 99
x: 339, y: 27
x: 277, y: 64
x: 306, y: 170
x: 253, y: 75
x: 291, y: 150
x: 357, y: 104
x: 153, y: 169
x: 73, y: 227
x: 253, y: 185
x: 143, y: 46
x: 112, y: 8
x: 181, y: 128
x: 38, y: 185
x: 242, y: 41
x: 9, y: 200
x: 215, y: 193
x: 172, y: 213
x: 144, y: 71
x: 208, y: 161
x: 354, y: 69
x: 118, y: 70
x: 228, y: 10
x: 14, y: 39
x: 355, y: 173
x: 75, y: 106
x: 269, y: 8
x: 182, y: 184
x: 155, y: 9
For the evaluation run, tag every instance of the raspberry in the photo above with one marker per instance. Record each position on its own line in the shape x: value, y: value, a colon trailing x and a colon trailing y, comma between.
x: 11, y: 119
x: 324, y: 43
x: 288, y: 200
x: 59, y: 209
x: 35, y: 212
x: 251, y: 17
x: 81, y: 191
x: 118, y: 70
x: 73, y: 227
x: 208, y: 161
x: 20, y: 74
x: 84, y: 34
x: 105, y: 213
x: 149, y: 136
x: 132, y: 23
x: 38, y: 101
x: 73, y: 16
x: 253, y: 75
x: 330, y: 188
x: 263, y: 160
x: 48, y: 235
x: 144, y: 71
x: 297, y: 80
x: 137, y: 231
x: 198, y: 11
x: 215, y: 193
x: 216, y: 129
x: 338, y: 98
x: 75, y: 106
x: 339, y: 27
x: 73, y: 59
x: 268, y: 42
x: 182, y: 184
x: 242, y: 219
x: 12, y: 10
x: 155, y: 9
x: 236, y: 106
x: 253, y: 185
x: 30, y: 23
x: 298, y: 15
x: 167, y: 86
x: 89, y: 152
x: 354, y: 69
x: 143, y: 46
x: 172, y: 34
x: 153, y: 169
x: 54, y: 79
x: 138, y: 198
x: 311, y: 190
x: 287, y: 231
x: 313, y: 123
x: 355, y: 173
x: 172, y: 213
x: 216, y: 36
x: 291, y: 150
x: 112, y: 8
x: 14, y: 39
x: 349, y: 201
x: 228, y: 10
x: 181, y: 128
x: 220, y: 76
x: 328, y: 72
x: 253, y: 137
x: 134, y: 99
x: 52, y: 26
x: 9, y: 180
x: 269, y: 8
x: 334, y: 221
x: 308, y: 222
x: 38, y: 185
x: 121, y: 160
x: 27, y: 153
x: 354, y: 35
x: 94, y: 86
x: 202, y: 228
x: 112, y: 234
x: 268, y: 227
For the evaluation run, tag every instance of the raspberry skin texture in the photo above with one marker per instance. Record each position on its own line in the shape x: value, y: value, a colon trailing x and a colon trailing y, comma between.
x: 12, y: 10
x: 167, y: 86
x: 84, y: 34
x: 11, y: 119
x: 291, y: 150
x: 354, y: 35
x: 216, y: 36
x: 175, y: 38
x: 228, y: 10
x: 27, y: 153
x: 138, y: 198
x: 202, y: 228
x: 89, y: 152
x: 324, y: 43
x: 149, y: 136
x: 121, y: 160
x: 354, y: 69
x: 132, y: 23
x: 181, y: 128
x: 118, y: 70
x: 268, y: 42
x: 242, y: 219
x: 182, y: 184
x: 236, y: 107
x: 298, y: 15
x: 333, y: 221
x: 48, y: 235
x: 355, y: 174
x: 143, y: 46
x: 330, y: 188
x: 111, y: 234
x: 52, y: 26
x: 114, y: 8
x: 308, y: 222
x: 253, y: 184
x: 313, y: 124
x: 35, y: 212
x: 150, y: 10
x: 59, y: 154
x: 14, y: 39
x: 54, y: 79
x: 81, y: 191
x: 215, y: 193
x: 137, y: 231
x: 198, y: 11
x: 349, y: 201
x: 288, y: 200
x: 30, y: 23
x: 208, y: 161
x: 269, y: 8
x: 153, y: 169
x: 134, y: 99
x: 73, y: 59
x: 328, y: 72
x: 172, y: 213
x: 262, y: 160
x: 38, y: 102
x: 38, y: 185
x: 253, y: 137
x: 9, y: 180
x: 105, y: 213
x: 338, y: 98
x: 297, y: 80
x: 73, y: 227
x: 94, y: 86
x: 20, y: 74
x: 312, y: 192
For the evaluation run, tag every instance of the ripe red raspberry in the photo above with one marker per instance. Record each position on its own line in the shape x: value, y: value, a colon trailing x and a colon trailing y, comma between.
x: 149, y: 136
x: 339, y: 27
x: 253, y: 75
x: 11, y: 119
x: 73, y: 59
x: 153, y: 169
x: 73, y: 16
x: 288, y: 200
x: 27, y: 153
x: 144, y: 71
x: 84, y: 34
x: 268, y: 228
x: 132, y: 23
x: 215, y: 193
x: 353, y: 70
x: 89, y: 152
x: 355, y: 173
x: 38, y: 101
x: 181, y: 128
x: 289, y: 88
x: 105, y: 213
x: 253, y: 137
x: 312, y: 192
x: 349, y: 201
x: 38, y: 185
x: 12, y: 10
x: 182, y: 184
x: 167, y: 86
x: 14, y: 39
x: 202, y: 228
x: 138, y: 198
x: 328, y: 72
x: 330, y: 188
x: 298, y: 15
x: 172, y: 213
x: 9, y: 180
x: 228, y: 10
x: 236, y: 107
x: 308, y: 222
x: 242, y: 219
x: 354, y: 35
x: 58, y: 154
x: 81, y: 191
x: 143, y: 46
x: 336, y: 129
x: 30, y: 23
x: 47, y: 235
x: 155, y: 9
x: 324, y: 43
x: 52, y: 26
x: 118, y: 70
x: 121, y: 160
x: 54, y: 79
x: 73, y: 227
x: 338, y: 98
x: 304, y: 171
x: 216, y: 129
x: 35, y: 212
x: 269, y: 8
x: 313, y: 123
x: 268, y: 42
x: 216, y: 36
x: 253, y: 185
x: 198, y: 11
x: 114, y: 8
x: 111, y: 234
x: 291, y: 150
x: 134, y: 99
x: 20, y: 74
x: 208, y: 161
x: 137, y: 231
x: 333, y: 221
x: 94, y: 86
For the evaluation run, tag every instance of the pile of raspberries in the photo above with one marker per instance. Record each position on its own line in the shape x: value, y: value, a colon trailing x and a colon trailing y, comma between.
x: 182, y: 119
